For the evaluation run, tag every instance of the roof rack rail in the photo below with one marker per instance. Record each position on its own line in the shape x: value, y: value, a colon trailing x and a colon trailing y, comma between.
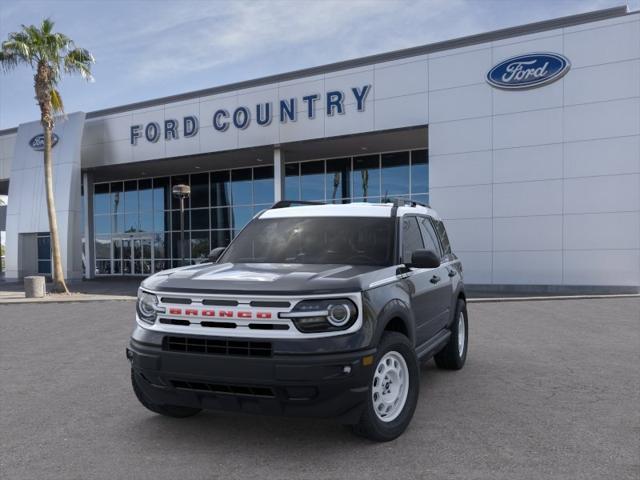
x: 403, y: 202
x: 292, y: 203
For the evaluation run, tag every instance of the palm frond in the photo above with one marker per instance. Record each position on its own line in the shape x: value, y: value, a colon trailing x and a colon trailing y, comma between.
x: 47, y: 26
x: 8, y: 60
x: 79, y: 60
x: 56, y: 101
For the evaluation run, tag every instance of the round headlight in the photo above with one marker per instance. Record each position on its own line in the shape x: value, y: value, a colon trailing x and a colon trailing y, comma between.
x: 147, y: 306
x: 339, y: 314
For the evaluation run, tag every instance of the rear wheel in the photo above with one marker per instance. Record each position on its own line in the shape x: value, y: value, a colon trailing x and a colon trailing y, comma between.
x: 454, y: 354
x: 167, y: 410
x: 393, y: 391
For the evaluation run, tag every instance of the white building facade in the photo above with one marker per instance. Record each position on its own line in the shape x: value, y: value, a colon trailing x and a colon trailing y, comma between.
x: 525, y: 140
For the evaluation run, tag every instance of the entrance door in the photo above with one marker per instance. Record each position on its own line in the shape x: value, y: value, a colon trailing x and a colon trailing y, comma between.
x: 133, y: 256
x: 142, y: 256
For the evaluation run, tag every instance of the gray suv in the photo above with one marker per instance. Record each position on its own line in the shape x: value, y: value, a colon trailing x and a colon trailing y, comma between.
x: 314, y: 310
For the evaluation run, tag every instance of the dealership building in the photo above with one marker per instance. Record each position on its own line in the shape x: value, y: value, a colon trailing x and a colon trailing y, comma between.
x: 526, y: 140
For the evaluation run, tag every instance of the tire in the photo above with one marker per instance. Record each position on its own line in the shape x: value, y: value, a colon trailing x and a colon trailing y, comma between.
x: 454, y: 354
x: 166, y: 410
x: 395, y: 354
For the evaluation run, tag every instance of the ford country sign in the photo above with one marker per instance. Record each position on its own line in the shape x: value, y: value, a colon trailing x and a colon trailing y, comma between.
x: 528, y: 71
x: 37, y: 142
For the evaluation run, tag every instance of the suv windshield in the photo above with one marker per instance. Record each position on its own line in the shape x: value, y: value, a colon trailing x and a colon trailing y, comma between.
x: 331, y: 240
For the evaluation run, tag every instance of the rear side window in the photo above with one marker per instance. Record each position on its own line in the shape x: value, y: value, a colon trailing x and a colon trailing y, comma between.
x: 430, y: 239
x: 411, y: 238
x: 442, y: 234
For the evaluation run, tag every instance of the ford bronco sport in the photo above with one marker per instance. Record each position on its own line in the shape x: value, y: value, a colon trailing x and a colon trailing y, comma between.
x: 313, y: 310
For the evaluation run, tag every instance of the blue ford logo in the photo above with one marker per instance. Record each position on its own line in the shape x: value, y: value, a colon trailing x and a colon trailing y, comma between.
x: 37, y: 142
x: 528, y: 71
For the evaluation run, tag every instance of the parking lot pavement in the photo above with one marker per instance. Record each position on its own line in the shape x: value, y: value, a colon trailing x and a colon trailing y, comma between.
x: 551, y: 390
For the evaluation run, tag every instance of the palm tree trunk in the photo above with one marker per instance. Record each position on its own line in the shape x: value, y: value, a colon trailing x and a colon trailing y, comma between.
x: 59, y: 284
x: 42, y: 86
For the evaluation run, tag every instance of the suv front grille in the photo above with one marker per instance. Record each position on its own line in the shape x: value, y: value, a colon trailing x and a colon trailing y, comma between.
x: 217, y: 346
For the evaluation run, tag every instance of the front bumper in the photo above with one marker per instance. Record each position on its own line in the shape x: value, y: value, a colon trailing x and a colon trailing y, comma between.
x: 314, y: 385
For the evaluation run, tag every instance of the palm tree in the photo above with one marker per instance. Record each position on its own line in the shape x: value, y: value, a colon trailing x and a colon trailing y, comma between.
x: 50, y: 55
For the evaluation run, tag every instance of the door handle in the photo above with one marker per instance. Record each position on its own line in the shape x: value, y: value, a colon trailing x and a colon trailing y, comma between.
x: 435, y: 279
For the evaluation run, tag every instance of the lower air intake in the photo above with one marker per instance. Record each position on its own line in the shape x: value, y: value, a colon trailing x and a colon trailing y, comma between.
x: 217, y: 347
x: 222, y: 388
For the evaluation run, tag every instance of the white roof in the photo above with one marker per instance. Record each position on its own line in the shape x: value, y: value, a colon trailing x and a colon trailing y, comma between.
x: 345, y: 210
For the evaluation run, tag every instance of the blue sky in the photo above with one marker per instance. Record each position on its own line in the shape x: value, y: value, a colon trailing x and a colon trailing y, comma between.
x: 148, y: 49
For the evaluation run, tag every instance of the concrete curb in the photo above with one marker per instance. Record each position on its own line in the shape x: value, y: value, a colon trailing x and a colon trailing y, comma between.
x: 69, y: 299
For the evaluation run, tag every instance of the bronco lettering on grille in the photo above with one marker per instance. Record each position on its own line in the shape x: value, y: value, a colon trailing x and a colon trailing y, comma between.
x: 244, y: 314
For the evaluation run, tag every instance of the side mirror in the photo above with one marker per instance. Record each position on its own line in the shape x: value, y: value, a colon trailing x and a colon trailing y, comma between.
x: 214, y: 254
x: 424, y: 259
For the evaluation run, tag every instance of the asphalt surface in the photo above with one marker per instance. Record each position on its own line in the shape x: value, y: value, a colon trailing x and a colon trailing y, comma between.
x: 551, y: 390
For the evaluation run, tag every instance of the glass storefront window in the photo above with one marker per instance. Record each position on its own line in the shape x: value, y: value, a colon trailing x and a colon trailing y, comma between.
x: 145, y: 195
x: 143, y: 212
x: 102, y: 224
x: 419, y: 173
x: 117, y: 206
x: 220, y: 238
x: 131, y: 222
x: 366, y: 177
x: 263, y: 185
x: 338, y: 180
x: 292, y: 181
x: 220, y: 189
x: 200, y: 246
x: 312, y: 181
x: 161, y: 194
x: 175, y: 220
x: 103, y: 247
x: 240, y: 216
x: 101, y: 199
x: 220, y: 218
x: 161, y: 243
x: 161, y: 221
x: 395, y: 174
x: 145, y: 221
x: 103, y: 267
x: 131, y: 203
x: 200, y: 219
x: 241, y: 187
x: 200, y: 190
x: 43, y: 241
x: 176, y: 252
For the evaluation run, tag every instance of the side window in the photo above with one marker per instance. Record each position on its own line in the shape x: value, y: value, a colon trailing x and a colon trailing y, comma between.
x: 430, y: 239
x: 411, y: 238
x: 442, y: 234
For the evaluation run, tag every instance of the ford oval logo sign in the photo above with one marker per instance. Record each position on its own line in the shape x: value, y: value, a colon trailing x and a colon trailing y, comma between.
x: 528, y: 71
x: 37, y: 142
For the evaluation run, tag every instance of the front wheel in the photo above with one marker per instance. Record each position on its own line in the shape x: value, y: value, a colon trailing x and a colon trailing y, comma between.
x: 454, y: 354
x: 393, y: 391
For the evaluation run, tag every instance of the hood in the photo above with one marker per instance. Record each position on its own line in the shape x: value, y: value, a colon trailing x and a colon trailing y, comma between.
x: 265, y: 278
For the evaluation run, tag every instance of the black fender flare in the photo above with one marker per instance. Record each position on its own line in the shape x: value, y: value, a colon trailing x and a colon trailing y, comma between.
x: 395, y: 309
x: 458, y: 294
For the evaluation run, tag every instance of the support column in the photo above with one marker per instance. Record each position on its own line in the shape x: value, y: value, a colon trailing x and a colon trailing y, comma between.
x: 87, y: 212
x: 278, y: 174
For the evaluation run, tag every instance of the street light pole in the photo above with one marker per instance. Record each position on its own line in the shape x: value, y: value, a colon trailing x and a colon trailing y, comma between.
x: 181, y: 192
